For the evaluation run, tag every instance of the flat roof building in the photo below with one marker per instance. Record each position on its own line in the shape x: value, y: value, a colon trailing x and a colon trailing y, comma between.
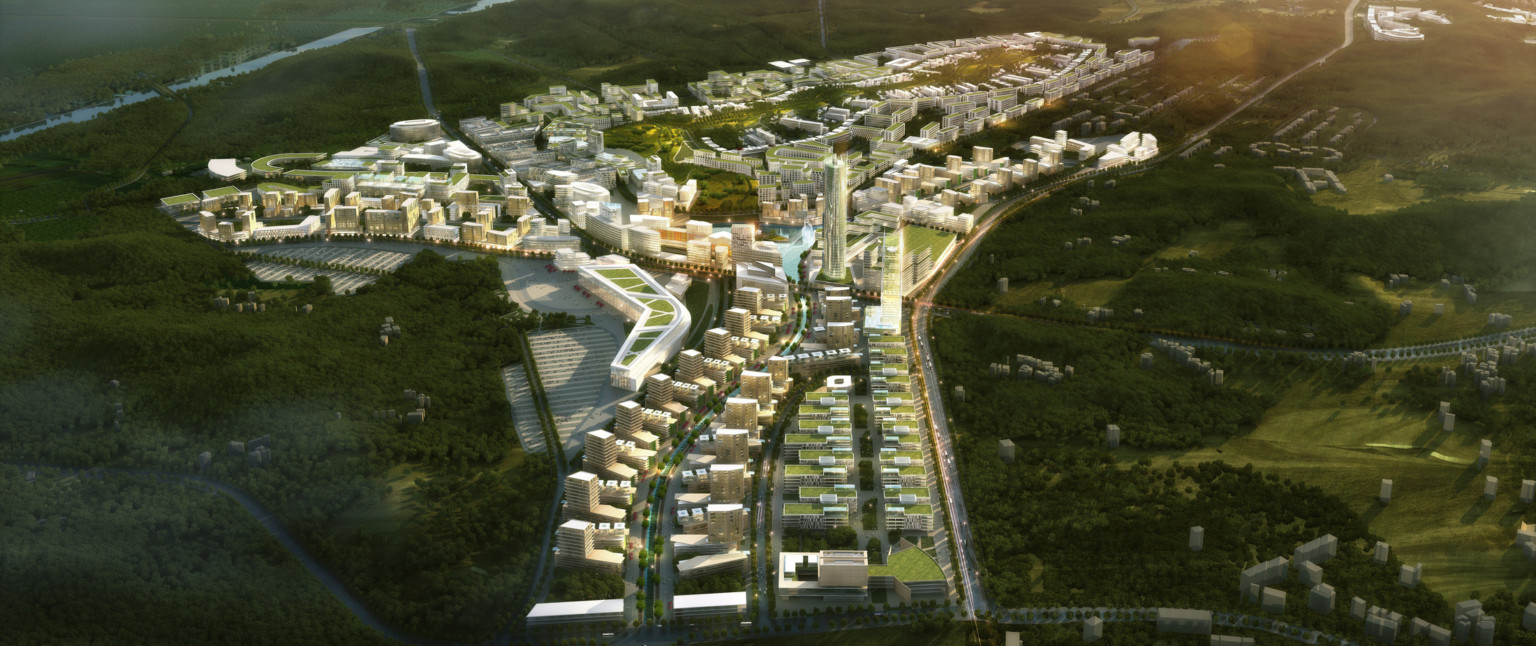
x: 576, y: 612
x: 704, y: 605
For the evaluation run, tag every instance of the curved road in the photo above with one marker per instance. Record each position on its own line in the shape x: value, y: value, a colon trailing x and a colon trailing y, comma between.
x: 267, y: 520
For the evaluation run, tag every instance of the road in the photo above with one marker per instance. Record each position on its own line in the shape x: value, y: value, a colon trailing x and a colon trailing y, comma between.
x: 421, y: 77
x: 922, y: 305
x: 1349, y: 39
x: 1135, y: 11
x: 267, y: 520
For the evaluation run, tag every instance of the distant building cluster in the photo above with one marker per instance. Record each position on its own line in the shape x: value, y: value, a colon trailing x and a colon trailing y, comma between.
x: 1391, y: 23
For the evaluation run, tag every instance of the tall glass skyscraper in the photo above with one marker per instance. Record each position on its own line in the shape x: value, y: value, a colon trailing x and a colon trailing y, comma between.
x: 834, y: 219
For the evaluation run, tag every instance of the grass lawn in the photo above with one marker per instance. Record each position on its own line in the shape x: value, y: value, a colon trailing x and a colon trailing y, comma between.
x: 1460, y: 319
x: 909, y: 565
x: 1347, y: 440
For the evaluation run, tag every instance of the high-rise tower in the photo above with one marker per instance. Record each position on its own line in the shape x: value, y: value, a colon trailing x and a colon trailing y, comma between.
x: 891, y: 284
x: 834, y: 219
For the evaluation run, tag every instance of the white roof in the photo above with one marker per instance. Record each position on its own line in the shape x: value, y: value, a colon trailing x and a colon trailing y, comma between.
x: 577, y: 608
x: 716, y: 600
x: 225, y: 168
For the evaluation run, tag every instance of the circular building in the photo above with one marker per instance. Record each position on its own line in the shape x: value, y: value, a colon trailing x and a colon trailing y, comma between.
x: 415, y: 130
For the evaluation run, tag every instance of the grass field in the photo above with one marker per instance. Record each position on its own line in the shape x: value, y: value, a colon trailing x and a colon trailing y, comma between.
x: 1369, y: 194
x: 1346, y: 440
x: 1088, y: 293
x: 1460, y: 319
x: 1210, y: 243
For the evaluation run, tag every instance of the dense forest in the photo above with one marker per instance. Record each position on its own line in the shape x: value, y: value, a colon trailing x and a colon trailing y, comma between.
x: 584, y: 585
x: 1256, y: 224
x: 431, y: 523
x: 1067, y: 524
x: 1168, y: 406
x: 126, y: 560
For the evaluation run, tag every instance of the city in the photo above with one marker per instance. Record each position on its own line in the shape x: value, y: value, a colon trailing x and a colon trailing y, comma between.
x: 1030, y: 324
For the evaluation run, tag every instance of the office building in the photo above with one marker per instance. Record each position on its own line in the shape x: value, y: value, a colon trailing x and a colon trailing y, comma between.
x: 727, y: 522
x: 834, y: 230
x: 731, y: 446
x: 759, y: 386
x: 727, y: 482
x: 741, y: 412
x: 575, y: 547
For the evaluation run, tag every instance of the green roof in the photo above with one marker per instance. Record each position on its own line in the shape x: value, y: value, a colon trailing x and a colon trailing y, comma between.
x: 804, y: 469
x: 801, y: 508
x: 918, y: 238
x: 808, y: 438
x: 180, y: 199
x: 274, y: 187
x: 917, y: 456
x: 265, y: 164
x: 918, y: 510
x: 911, y: 564
x: 222, y: 191
x: 817, y: 491
x: 896, y: 490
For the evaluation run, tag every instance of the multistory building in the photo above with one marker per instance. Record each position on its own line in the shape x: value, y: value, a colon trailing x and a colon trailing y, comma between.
x: 759, y: 386
x: 658, y: 391
x: 727, y: 482
x: 727, y: 522
x: 738, y: 321
x: 834, y: 230
x: 731, y: 446
x: 741, y: 412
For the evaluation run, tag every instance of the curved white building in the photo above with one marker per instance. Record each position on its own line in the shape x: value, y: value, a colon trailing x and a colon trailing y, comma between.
x: 225, y: 170
x: 661, y: 320
x: 458, y: 152
x: 415, y: 130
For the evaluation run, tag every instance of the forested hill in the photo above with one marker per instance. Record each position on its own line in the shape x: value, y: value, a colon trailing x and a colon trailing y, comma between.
x: 418, y: 519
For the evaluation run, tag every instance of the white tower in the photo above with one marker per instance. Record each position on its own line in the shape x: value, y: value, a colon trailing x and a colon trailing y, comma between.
x: 891, y: 283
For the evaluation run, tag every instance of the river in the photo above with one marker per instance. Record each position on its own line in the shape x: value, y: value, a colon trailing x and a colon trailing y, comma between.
x: 91, y: 112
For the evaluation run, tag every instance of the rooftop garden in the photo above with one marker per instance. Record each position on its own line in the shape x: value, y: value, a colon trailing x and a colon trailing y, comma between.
x: 910, y: 564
